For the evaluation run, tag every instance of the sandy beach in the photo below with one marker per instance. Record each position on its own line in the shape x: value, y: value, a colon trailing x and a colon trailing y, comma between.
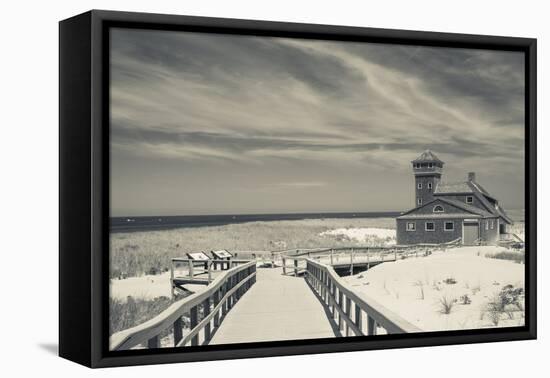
x: 414, y: 288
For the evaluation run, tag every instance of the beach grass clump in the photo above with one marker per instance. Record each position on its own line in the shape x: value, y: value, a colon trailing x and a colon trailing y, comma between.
x: 518, y: 257
x: 450, y: 281
x: 505, y: 303
x: 446, y: 304
x: 124, y: 314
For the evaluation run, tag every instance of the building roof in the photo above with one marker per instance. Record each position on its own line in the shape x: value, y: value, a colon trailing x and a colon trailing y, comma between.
x: 452, y: 187
x: 467, y: 207
x: 474, y: 188
x: 439, y: 215
x: 426, y: 157
x: 469, y: 211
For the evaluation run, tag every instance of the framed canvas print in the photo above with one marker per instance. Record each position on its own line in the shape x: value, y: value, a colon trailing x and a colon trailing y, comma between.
x: 233, y: 188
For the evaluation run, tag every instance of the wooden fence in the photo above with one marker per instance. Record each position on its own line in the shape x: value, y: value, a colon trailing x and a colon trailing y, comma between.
x: 205, y: 310
x: 349, y: 309
x: 354, y: 256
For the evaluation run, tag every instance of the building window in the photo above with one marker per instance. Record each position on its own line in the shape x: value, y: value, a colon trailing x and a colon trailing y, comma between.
x: 430, y: 226
x: 417, y: 165
x: 430, y: 165
x: 411, y: 226
x: 438, y: 209
x: 419, y: 186
x: 419, y: 201
x: 430, y: 185
x: 469, y: 199
x: 492, y: 224
x: 486, y: 225
x: 449, y: 226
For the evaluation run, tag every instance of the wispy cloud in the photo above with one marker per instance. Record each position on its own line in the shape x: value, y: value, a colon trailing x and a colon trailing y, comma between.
x: 191, y: 100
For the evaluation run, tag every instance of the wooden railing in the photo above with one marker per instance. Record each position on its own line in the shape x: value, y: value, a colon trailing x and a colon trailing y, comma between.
x: 338, y: 256
x: 205, y: 309
x: 356, y: 255
x: 193, y: 268
x: 349, y: 309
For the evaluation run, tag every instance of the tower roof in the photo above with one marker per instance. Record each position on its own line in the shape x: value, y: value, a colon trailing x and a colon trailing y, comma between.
x: 426, y: 157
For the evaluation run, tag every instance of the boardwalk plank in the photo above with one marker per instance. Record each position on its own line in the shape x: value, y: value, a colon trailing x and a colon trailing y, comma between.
x: 277, y: 307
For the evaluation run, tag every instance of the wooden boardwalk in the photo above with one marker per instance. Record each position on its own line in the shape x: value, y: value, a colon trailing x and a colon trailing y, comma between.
x: 277, y: 307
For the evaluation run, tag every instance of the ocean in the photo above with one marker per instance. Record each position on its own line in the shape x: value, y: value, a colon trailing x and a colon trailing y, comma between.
x: 150, y: 223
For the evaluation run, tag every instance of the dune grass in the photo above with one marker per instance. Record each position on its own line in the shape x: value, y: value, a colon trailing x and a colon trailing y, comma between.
x: 137, y: 253
x: 134, y: 311
x: 518, y: 257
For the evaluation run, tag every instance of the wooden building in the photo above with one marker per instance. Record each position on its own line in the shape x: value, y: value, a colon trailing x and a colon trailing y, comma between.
x: 448, y: 211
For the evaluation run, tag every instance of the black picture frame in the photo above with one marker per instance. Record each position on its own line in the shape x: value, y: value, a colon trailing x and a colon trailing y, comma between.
x: 84, y: 187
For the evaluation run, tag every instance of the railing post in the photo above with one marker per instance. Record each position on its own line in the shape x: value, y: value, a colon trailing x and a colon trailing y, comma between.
x: 172, y: 294
x: 348, y: 313
x: 351, y: 263
x: 226, y: 301
x: 209, y: 271
x: 341, y: 306
x: 153, y: 342
x: 206, y: 312
x: 371, y: 326
x: 178, y: 334
x: 194, y: 320
x: 331, y: 256
x: 191, y: 269
x: 284, y: 266
x: 216, y: 302
x: 358, y: 318
x: 295, y: 268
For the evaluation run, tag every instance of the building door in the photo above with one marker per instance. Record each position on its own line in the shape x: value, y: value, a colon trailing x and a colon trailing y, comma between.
x: 470, y: 232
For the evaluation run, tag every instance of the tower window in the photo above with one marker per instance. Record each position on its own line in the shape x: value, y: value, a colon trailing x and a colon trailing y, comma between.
x: 419, y: 186
x: 411, y: 226
x: 429, y: 185
x: 417, y: 165
x: 419, y: 201
x: 430, y: 165
x: 438, y: 209
x: 469, y: 199
x: 449, y: 226
x: 492, y: 224
x: 430, y: 226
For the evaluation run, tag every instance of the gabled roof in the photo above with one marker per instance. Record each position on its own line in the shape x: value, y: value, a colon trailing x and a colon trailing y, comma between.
x: 474, y: 188
x: 426, y: 157
x: 468, y: 209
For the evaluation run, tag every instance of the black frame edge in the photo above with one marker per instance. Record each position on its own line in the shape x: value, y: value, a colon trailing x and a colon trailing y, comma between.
x: 75, y: 334
x: 92, y: 353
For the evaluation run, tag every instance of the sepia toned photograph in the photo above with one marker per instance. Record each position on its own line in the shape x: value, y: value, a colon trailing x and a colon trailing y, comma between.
x: 274, y: 189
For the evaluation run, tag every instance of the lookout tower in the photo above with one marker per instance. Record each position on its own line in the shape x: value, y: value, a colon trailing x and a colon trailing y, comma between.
x: 427, y: 169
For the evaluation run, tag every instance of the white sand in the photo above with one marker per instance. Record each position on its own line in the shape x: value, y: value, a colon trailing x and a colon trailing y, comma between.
x: 397, y: 285
x: 363, y: 234
x: 147, y: 287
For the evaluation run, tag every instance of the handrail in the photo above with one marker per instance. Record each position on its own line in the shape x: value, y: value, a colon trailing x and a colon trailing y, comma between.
x: 223, y: 292
x: 309, y: 251
x: 338, y: 297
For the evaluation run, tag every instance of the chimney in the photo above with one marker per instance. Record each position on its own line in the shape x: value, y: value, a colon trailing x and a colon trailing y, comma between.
x: 471, y: 176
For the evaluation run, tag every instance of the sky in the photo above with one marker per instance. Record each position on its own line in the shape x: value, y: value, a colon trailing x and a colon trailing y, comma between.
x: 227, y: 124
